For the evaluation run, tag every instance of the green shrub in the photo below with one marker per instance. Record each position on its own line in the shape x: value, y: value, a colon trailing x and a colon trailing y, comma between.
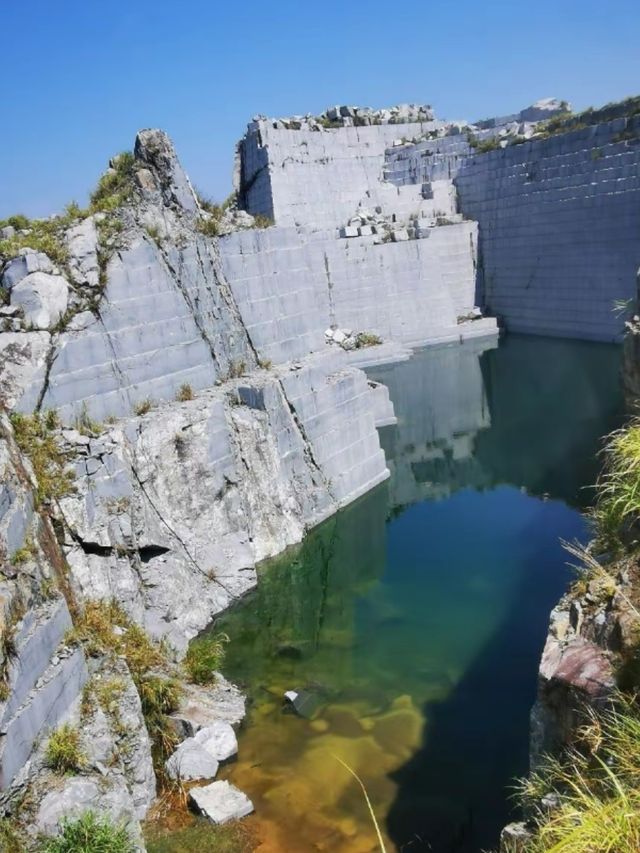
x: 210, y: 227
x: 209, y: 204
x: 237, y: 368
x: 115, y: 187
x: 36, y: 438
x: 12, y: 838
x: 24, y: 554
x: 204, y: 656
x: 488, y: 145
x: 44, y: 235
x: 367, y: 339
x: 154, y: 233
x: 90, y: 833
x: 63, y: 752
x: 618, y: 490
x: 85, y: 424
x: 18, y: 221
x: 262, y: 221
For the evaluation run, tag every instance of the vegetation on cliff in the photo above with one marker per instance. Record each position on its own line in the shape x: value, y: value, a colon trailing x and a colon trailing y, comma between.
x: 587, y: 800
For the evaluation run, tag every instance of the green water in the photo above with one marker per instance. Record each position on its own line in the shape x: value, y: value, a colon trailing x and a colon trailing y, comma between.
x: 418, y: 614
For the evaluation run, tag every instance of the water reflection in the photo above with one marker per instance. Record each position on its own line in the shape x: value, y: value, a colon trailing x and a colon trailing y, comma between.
x: 418, y: 614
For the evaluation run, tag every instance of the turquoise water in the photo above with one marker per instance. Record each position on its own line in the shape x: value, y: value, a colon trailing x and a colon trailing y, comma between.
x: 417, y: 615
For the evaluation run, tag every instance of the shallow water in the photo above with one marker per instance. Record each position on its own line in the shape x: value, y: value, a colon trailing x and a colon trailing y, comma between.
x: 417, y: 615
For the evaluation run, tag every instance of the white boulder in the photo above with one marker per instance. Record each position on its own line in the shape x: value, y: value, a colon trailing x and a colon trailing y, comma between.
x: 191, y: 761
x: 221, y: 802
x: 43, y: 298
x: 197, y: 757
x: 28, y: 261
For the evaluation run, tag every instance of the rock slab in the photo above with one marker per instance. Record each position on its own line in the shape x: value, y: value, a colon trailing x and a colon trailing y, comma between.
x: 221, y: 802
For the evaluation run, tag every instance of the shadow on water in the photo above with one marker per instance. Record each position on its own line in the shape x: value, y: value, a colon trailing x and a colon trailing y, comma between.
x: 549, y: 403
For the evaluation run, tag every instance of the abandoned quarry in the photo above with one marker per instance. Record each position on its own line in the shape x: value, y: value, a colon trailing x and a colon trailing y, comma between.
x: 320, y: 506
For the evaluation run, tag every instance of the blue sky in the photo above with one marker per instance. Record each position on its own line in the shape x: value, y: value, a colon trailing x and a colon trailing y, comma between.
x: 81, y: 76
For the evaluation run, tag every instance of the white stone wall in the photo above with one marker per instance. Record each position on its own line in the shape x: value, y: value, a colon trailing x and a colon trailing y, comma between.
x: 302, y: 177
x: 559, y: 229
x: 291, y: 284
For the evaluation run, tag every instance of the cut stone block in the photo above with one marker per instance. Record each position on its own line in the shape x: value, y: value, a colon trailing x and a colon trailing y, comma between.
x: 221, y: 802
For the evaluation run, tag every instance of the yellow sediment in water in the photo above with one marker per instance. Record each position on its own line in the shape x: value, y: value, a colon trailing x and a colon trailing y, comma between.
x: 305, y: 800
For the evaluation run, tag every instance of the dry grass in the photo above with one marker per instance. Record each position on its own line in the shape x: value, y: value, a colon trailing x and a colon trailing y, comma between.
x: 63, y: 752
x: 103, y: 628
x: 595, y: 789
x: 37, y: 439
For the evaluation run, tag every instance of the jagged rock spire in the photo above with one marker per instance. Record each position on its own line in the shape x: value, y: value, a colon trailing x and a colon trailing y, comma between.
x: 155, y: 149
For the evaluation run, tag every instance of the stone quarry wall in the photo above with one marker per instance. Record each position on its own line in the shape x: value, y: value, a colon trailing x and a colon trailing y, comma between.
x: 350, y: 248
x: 559, y: 222
x: 299, y: 177
x: 291, y: 285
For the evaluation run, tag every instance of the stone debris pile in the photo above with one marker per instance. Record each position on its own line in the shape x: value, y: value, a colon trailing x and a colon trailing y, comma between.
x: 352, y: 116
x: 347, y: 339
x: 392, y: 229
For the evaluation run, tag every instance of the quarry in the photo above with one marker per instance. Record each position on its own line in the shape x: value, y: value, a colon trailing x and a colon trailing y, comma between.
x: 188, y: 390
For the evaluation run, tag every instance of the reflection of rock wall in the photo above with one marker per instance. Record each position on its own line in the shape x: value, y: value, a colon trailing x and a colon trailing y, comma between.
x: 303, y: 607
x: 440, y: 402
x: 476, y: 416
x: 550, y: 404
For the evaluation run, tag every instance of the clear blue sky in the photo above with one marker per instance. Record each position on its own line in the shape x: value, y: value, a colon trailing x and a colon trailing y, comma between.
x: 79, y: 77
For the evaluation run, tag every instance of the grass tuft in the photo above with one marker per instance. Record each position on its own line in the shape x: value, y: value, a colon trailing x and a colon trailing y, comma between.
x: 35, y: 435
x: 103, y: 628
x: 63, y: 752
x: 143, y: 406
x: 185, y: 393
x: 90, y: 833
x: 115, y: 187
x: 618, y: 489
x: 592, y: 796
x: 204, y: 656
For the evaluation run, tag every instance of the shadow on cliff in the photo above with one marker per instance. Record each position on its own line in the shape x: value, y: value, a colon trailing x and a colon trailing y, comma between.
x: 453, y: 795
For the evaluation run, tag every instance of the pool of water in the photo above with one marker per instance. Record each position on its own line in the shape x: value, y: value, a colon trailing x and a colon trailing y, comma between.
x: 416, y: 617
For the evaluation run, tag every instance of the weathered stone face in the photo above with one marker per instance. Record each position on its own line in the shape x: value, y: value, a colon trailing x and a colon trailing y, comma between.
x: 28, y: 261
x: 42, y: 297
x: 155, y: 149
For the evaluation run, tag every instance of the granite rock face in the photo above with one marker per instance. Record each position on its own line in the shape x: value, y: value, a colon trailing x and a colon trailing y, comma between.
x: 257, y: 462
x: 42, y: 297
x: 591, y: 631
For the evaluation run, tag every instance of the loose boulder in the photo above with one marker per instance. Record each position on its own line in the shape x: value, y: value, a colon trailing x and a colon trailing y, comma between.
x: 221, y: 802
x: 27, y: 262
x: 43, y: 298
x: 198, y: 756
